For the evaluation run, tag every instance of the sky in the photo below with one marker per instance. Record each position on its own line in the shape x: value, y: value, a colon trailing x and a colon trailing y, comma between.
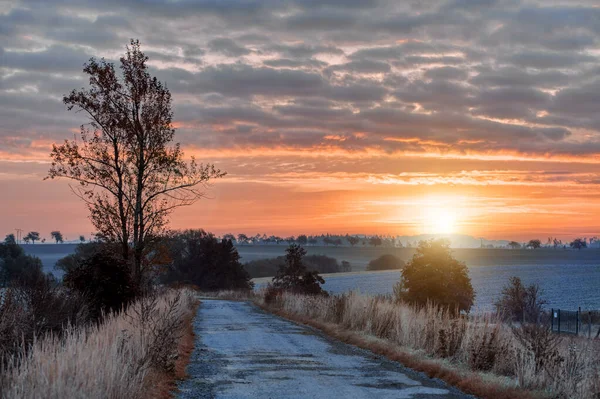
x: 477, y: 117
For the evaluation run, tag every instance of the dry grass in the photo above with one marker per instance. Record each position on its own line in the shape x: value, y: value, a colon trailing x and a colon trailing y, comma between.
x: 478, y: 354
x: 113, y: 360
x: 161, y: 384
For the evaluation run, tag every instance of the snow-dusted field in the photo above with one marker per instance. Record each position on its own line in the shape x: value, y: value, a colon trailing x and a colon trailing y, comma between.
x: 563, y: 286
x: 243, y: 352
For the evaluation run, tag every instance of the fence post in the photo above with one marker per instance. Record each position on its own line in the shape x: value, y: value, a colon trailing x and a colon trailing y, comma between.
x: 577, y: 325
x: 558, y: 321
x: 552, y: 319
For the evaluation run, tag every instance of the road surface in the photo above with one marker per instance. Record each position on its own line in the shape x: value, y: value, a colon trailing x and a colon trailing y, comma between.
x: 244, y: 352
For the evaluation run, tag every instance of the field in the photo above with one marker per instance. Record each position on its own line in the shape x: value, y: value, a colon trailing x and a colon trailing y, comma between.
x: 569, y: 278
x: 360, y: 256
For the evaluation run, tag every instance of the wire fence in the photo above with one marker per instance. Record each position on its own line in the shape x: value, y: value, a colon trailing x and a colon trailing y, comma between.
x: 576, y: 322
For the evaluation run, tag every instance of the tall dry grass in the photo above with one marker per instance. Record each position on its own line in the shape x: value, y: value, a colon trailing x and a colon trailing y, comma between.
x: 112, y: 360
x: 479, y: 344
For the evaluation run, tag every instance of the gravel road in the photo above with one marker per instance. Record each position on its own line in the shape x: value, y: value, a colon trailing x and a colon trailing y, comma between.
x: 244, y: 352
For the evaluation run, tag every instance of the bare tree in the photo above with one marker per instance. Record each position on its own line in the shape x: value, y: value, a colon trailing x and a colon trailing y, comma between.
x: 129, y: 172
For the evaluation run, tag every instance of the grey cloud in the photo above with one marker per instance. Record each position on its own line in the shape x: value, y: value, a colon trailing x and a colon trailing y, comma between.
x: 302, y: 69
x: 361, y: 66
x: 303, y: 50
x: 438, y: 94
x: 321, y: 20
x: 55, y: 58
x: 416, y: 60
x: 243, y: 80
x: 55, y: 85
x: 446, y: 73
x: 227, y: 47
x: 578, y: 101
x: 287, y: 63
x: 546, y: 60
x: 511, y: 76
x: 514, y: 95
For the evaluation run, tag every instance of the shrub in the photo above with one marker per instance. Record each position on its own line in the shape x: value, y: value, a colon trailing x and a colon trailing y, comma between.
x: 82, y: 253
x: 16, y: 267
x: 450, y: 339
x: 199, y: 258
x: 269, y: 267
x: 346, y: 267
x: 520, y: 303
x: 322, y: 264
x: 484, y: 348
x: 539, y: 340
x: 161, y: 325
x: 386, y: 262
x: 28, y: 311
x: 271, y: 294
x: 433, y: 275
x: 105, y: 280
x: 119, y: 358
x: 293, y: 276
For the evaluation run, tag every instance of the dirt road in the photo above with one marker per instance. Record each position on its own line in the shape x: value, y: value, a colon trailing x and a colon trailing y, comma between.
x: 243, y: 352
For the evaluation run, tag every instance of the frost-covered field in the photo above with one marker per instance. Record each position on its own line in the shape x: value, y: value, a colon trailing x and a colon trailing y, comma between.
x: 566, y: 287
x: 569, y: 278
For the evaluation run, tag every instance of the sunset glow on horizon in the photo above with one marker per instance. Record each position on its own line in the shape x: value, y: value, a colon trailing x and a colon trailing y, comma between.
x: 376, y: 117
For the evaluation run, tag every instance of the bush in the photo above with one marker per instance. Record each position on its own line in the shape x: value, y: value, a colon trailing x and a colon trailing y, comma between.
x: 293, y: 276
x: 105, y: 280
x: 124, y: 357
x: 539, y: 340
x: 346, y: 266
x: 433, y: 275
x: 322, y: 264
x: 450, y: 339
x: 386, y: 262
x: 319, y: 263
x: 199, y: 258
x: 16, y: 267
x: 271, y: 294
x: 520, y: 303
x: 28, y: 311
x: 82, y: 253
x: 484, y: 349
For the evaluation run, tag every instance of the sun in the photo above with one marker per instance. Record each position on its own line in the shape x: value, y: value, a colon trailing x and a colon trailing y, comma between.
x: 438, y: 220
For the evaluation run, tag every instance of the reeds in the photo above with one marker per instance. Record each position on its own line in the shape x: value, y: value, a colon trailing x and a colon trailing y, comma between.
x: 110, y: 360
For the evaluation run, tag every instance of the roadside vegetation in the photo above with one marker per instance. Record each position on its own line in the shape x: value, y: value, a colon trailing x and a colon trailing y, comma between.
x: 427, y: 326
x: 478, y: 354
x: 129, y: 355
x: 118, y: 324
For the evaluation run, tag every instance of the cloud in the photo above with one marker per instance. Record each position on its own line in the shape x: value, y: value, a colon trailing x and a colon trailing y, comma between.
x: 227, y: 47
x: 379, y: 76
x: 55, y: 58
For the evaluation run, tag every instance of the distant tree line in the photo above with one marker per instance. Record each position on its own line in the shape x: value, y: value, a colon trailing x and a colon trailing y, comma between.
x: 555, y: 243
x: 321, y: 240
x: 33, y: 236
